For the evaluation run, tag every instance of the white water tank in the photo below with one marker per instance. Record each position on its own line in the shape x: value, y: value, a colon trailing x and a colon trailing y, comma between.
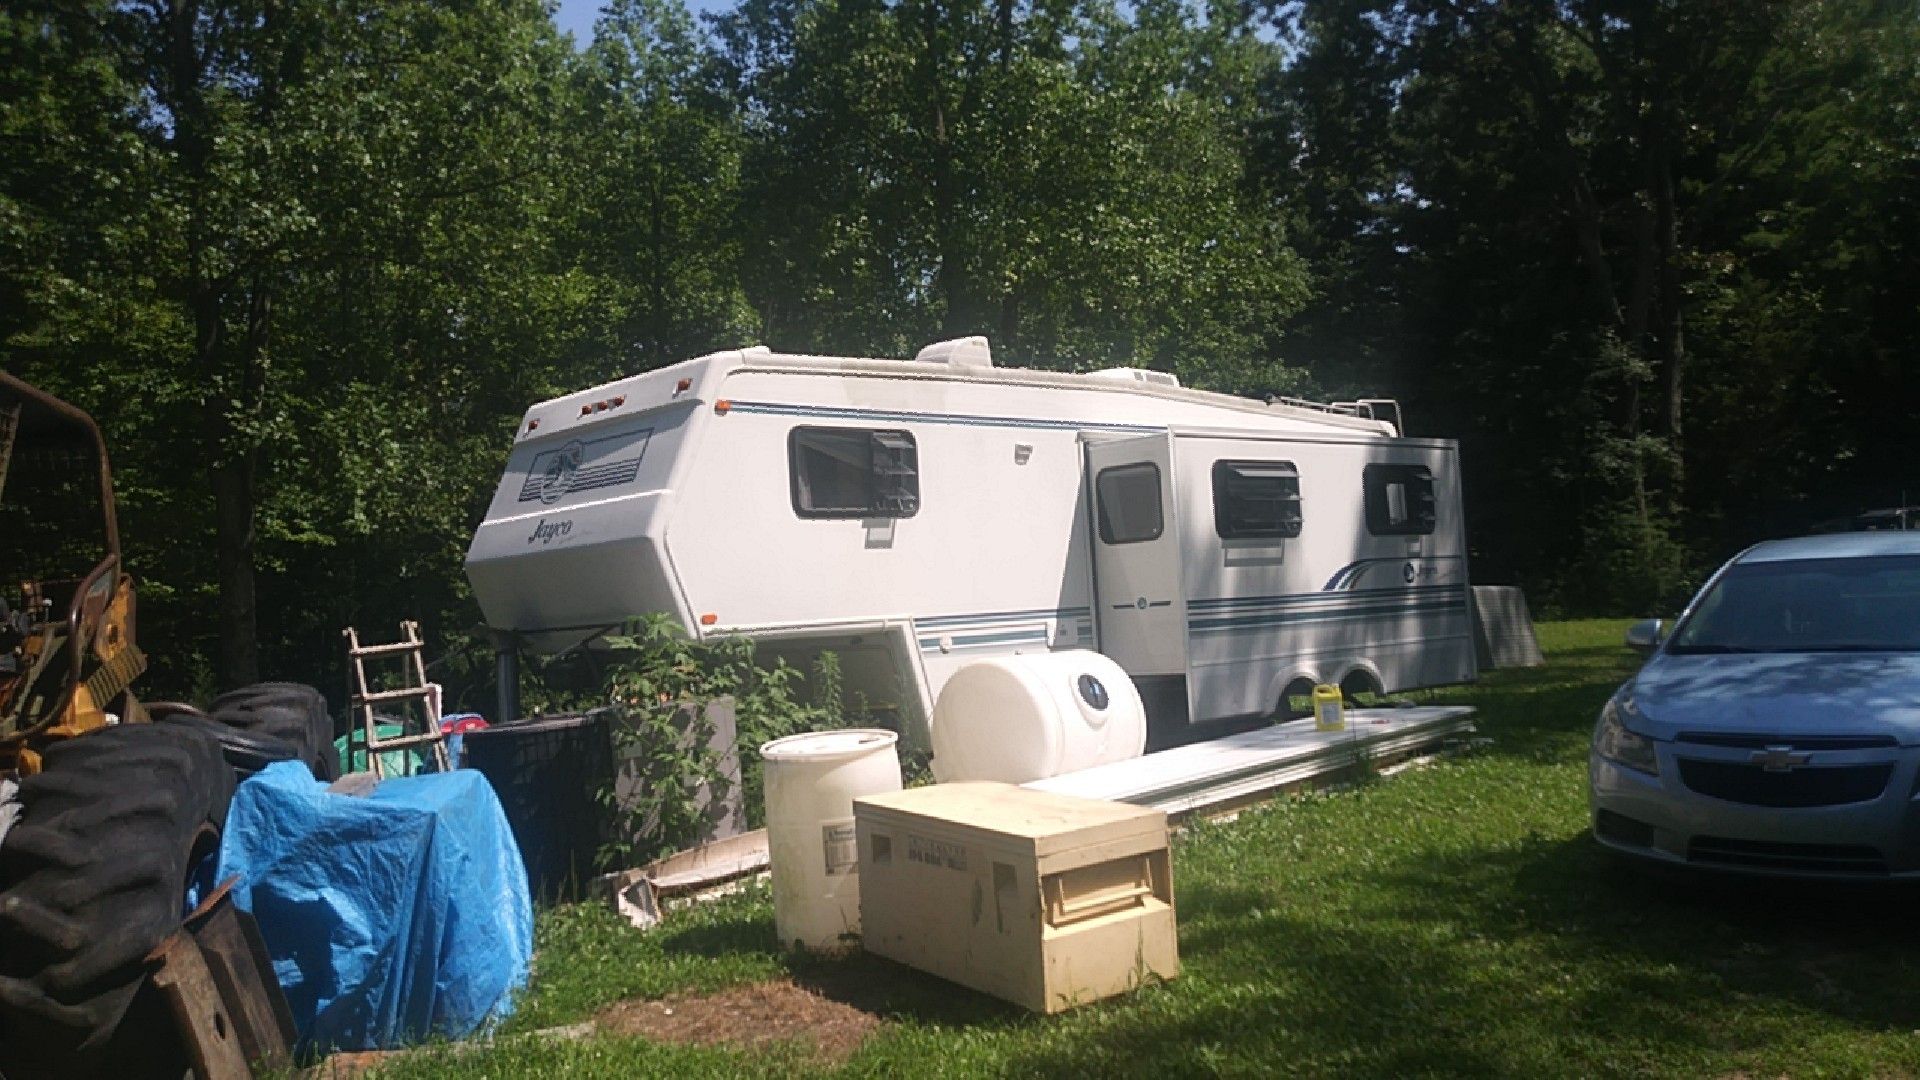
x: 1035, y: 715
x: 812, y: 780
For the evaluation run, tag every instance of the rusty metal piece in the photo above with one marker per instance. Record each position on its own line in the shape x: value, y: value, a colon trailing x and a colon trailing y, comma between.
x: 9, y: 428
x: 218, y: 982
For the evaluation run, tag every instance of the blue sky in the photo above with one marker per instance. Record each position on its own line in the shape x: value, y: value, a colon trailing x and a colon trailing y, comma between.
x: 577, y: 15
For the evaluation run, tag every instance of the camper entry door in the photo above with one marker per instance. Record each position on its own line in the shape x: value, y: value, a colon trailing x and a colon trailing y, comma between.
x: 1140, y: 605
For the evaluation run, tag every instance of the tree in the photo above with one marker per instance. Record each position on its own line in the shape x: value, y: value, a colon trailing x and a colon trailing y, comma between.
x: 1053, y: 174
x: 1549, y: 207
x: 659, y: 198
x: 336, y: 250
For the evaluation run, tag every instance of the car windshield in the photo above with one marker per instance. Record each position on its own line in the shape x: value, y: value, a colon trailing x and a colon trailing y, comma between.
x: 1869, y: 604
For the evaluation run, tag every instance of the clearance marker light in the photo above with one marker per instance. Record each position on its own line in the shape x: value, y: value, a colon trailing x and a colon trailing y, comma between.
x: 683, y: 386
x: 533, y: 423
x: 709, y: 619
x: 722, y: 406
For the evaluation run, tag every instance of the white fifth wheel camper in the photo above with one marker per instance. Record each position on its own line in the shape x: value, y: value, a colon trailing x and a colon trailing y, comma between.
x: 917, y: 516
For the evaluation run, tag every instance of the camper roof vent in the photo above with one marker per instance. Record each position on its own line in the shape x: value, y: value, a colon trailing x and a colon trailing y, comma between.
x: 959, y: 352
x: 1136, y: 375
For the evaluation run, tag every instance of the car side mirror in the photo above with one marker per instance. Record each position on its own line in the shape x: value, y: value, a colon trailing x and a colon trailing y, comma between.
x: 1644, y: 636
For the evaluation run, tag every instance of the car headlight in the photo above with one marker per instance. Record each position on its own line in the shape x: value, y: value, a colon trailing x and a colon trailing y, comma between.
x: 1614, y: 742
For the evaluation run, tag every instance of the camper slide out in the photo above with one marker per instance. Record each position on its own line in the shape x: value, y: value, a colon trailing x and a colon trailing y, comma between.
x: 917, y: 516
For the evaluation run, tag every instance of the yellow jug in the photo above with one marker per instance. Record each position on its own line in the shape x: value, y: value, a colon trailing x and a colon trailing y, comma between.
x: 1327, y: 710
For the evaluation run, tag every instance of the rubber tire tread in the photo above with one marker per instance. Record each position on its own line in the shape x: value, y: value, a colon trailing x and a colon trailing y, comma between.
x: 92, y: 879
x: 247, y: 752
x: 292, y: 712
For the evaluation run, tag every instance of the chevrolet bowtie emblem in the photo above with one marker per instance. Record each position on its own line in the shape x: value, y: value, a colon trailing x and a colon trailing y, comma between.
x: 1779, y: 758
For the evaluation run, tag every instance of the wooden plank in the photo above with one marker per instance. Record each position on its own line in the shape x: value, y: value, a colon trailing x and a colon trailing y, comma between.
x: 236, y: 957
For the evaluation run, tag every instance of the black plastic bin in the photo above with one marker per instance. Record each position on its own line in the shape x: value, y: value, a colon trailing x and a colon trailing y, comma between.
x: 549, y: 772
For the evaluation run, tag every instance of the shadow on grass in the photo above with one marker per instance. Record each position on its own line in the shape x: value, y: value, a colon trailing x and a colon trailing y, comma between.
x: 743, y: 934
x: 893, y: 991
x: 1557, y: 930
x: 1543, y: 959
x: 869, y: 983
x: 1839, y: 948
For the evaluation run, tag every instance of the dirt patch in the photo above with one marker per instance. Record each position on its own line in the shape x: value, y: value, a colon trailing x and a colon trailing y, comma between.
x: 746, y: 1016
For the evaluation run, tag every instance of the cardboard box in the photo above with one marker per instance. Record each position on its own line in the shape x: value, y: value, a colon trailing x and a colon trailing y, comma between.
x: 1048, y: 901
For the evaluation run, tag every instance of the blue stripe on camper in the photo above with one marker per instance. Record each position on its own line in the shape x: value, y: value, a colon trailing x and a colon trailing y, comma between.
x: 1319, y: 599
x: 1239, y: 621
x: 828, y: 412
x: 1344, y: 577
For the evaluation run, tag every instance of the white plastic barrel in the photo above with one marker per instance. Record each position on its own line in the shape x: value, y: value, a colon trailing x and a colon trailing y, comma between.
x: 812, y: 780
x: 1035, y: 715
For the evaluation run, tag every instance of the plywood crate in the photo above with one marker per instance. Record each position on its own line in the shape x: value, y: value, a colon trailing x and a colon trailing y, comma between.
x: 1048, y: 901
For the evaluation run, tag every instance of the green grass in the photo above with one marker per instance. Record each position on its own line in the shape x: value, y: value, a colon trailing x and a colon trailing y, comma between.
x: 1454, y: 919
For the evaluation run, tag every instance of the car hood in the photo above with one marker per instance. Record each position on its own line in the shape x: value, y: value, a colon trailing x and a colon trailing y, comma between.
x: 1779, y: 693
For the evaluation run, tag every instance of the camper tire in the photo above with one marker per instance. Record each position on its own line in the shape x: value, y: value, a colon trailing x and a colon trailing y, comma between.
x: 291, y: 712
x: 113, y: 832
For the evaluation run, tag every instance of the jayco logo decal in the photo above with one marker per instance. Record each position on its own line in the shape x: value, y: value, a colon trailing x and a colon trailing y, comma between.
x: 547, y: 532
x: 556, y: 476
x: 585, y: 465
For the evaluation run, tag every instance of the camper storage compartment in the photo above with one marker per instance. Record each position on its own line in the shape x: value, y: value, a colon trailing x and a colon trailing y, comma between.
x: 1048, y: 901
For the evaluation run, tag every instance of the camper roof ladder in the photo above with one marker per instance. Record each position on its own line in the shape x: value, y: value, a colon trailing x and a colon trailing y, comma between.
x: 1382, y: 409
x: 414, y: 688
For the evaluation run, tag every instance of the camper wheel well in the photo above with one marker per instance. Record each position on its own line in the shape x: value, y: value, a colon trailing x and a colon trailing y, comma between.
x: 1296, y: 699
x: 1360, y: 681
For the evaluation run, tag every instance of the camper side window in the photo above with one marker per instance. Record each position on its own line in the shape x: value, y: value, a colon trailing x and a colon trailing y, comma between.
x: 1129, y: 498
x: 1399, y: 499
x: 1256, y: 500
x: 853, y: 473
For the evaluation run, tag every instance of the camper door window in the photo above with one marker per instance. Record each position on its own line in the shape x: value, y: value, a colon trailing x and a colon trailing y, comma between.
x: 1129, y: 497
x: 1256, y: 500
x: 853, y: 472
x: 1399, y: 499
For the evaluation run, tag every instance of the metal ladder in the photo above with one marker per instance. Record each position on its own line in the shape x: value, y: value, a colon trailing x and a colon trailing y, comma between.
x: 414, y: 688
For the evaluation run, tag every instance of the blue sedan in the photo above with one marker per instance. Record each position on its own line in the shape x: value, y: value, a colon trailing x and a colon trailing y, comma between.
x: 1776, y: 730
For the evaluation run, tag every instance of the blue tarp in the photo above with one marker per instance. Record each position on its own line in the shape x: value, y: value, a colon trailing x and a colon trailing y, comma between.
x: 389, y: 918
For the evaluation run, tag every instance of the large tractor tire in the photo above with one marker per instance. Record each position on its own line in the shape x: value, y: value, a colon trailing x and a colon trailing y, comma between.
x: 291, y: 712
x: 247, y: 752
x: 113, y: 831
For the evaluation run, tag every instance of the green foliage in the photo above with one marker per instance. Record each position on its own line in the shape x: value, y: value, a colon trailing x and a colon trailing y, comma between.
x: 1633, y: 255
x: 1066, y: 179
x: 660, y: 679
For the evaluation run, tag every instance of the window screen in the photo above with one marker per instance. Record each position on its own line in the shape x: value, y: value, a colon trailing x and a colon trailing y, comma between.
x: 853, y: 473
x: 1129, y: 500
x: 1399, y: 500
x: 1256, y: 500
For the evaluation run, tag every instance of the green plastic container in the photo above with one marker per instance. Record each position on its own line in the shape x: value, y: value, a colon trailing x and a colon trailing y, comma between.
x: 351, y: 748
